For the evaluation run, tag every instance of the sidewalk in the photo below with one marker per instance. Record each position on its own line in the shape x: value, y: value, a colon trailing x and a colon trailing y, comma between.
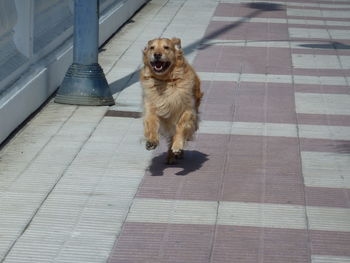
x: 267, y: 178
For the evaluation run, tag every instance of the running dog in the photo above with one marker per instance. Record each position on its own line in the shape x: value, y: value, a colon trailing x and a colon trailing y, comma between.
x: 171, y: 96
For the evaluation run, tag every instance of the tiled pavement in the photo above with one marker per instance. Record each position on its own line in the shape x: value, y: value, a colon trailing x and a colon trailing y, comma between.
x: 267, y: 178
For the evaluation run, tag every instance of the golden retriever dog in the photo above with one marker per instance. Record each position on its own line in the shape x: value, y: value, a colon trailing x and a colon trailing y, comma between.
x: 171, y: 96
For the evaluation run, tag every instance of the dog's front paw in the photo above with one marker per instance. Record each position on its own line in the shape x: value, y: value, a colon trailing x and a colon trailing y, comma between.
x: 178, y: 152
x: 180, y: 155
x: 151, y: 145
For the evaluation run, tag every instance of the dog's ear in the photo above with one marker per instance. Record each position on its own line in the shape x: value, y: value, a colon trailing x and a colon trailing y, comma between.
x: 177, y: 43
x: 148, y: 44
x: 144, y: 49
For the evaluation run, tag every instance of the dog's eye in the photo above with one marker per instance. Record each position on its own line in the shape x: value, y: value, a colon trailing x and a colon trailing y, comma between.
x: 151, y: 48
x: 166, y: 47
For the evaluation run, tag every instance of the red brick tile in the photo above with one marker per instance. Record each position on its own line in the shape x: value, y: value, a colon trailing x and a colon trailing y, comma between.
x: 330, y: 243
x: 251, y: 245
x: 246, y: 10
x: 318, y: 119
x: 162, y: 243
x: 258, y: 102
x: 264, y: 186
x: 321, y: 89
x: 323, y: 145
x: 246, y: 31
x: 268, y: 152
x: 323, y: 196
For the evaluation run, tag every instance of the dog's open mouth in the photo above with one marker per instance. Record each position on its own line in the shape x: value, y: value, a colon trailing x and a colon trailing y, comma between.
x: 160, y: 66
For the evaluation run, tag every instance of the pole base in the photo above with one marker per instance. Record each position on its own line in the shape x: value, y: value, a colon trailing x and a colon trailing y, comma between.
x: 85, y: 85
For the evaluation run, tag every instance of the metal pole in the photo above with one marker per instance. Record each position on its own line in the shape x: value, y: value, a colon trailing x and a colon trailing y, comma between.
x: 85, y: 82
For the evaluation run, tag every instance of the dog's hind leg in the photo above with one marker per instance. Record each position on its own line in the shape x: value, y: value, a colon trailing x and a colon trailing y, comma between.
x: 184, y: 131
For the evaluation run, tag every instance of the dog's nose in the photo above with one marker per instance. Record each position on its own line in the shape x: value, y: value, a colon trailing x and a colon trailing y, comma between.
x: 157, y: 56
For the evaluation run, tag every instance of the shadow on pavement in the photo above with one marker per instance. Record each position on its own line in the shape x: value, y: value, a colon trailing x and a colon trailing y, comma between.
x: 193, y: 160
x: 344, y: 148
x: 330, y: 45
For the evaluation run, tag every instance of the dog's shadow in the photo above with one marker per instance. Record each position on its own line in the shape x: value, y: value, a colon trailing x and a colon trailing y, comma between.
x: 192, y: 161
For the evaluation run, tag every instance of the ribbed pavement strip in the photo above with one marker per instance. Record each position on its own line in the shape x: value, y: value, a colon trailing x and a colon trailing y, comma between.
x: 318, y: 103
x: 276, y: 129
x: 41, y: 152
x: 81, y: 217
x: 328, y: 259
x: 172, y: 211
x: 273, y: 78
x: 239, y: 214
x: 318, y: 13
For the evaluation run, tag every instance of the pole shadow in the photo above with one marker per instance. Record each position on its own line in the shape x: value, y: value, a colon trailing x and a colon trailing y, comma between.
x: 258, y: 7
x: 344, y: 147
x: 330, y: 45
x: 192, y: 162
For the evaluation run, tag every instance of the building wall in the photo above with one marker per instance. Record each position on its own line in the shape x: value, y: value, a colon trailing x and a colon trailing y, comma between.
x: 36, y: 50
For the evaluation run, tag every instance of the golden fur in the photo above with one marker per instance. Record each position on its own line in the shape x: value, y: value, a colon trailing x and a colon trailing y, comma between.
x: 171, y: 96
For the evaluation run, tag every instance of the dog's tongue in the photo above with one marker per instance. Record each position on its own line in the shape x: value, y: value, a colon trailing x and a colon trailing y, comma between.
x: 159, y: 65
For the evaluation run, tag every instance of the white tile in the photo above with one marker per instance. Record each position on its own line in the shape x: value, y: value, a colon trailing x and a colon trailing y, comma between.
x: 271, y: 78
x: 326, y: 169
x: 205, y: 212
x: 264, y: 129
x: 327, y: 62
x: 275, y: 129
x: 298, y: 79
x: 341, y: 81
x: 173, y: 211
x: 337, y: 23
x: 313, y: 103
x: 215, y: 127
x: 305, y: 22
x: 324, y: 132
x: 335, y: 13
x: 306, y: 79
x: 248, y: 128
x: 329, y: 259
x: 211, y: 76
x: 317, y: 13
x: 253, y: 78
x: 303, y: 12
x: 329, y: 218
x: 316, y: 61
x: 262, y: 215
x: 308, y: 33
x: 345, y: 62
x: 339, y: 34
x: 238, y: 214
